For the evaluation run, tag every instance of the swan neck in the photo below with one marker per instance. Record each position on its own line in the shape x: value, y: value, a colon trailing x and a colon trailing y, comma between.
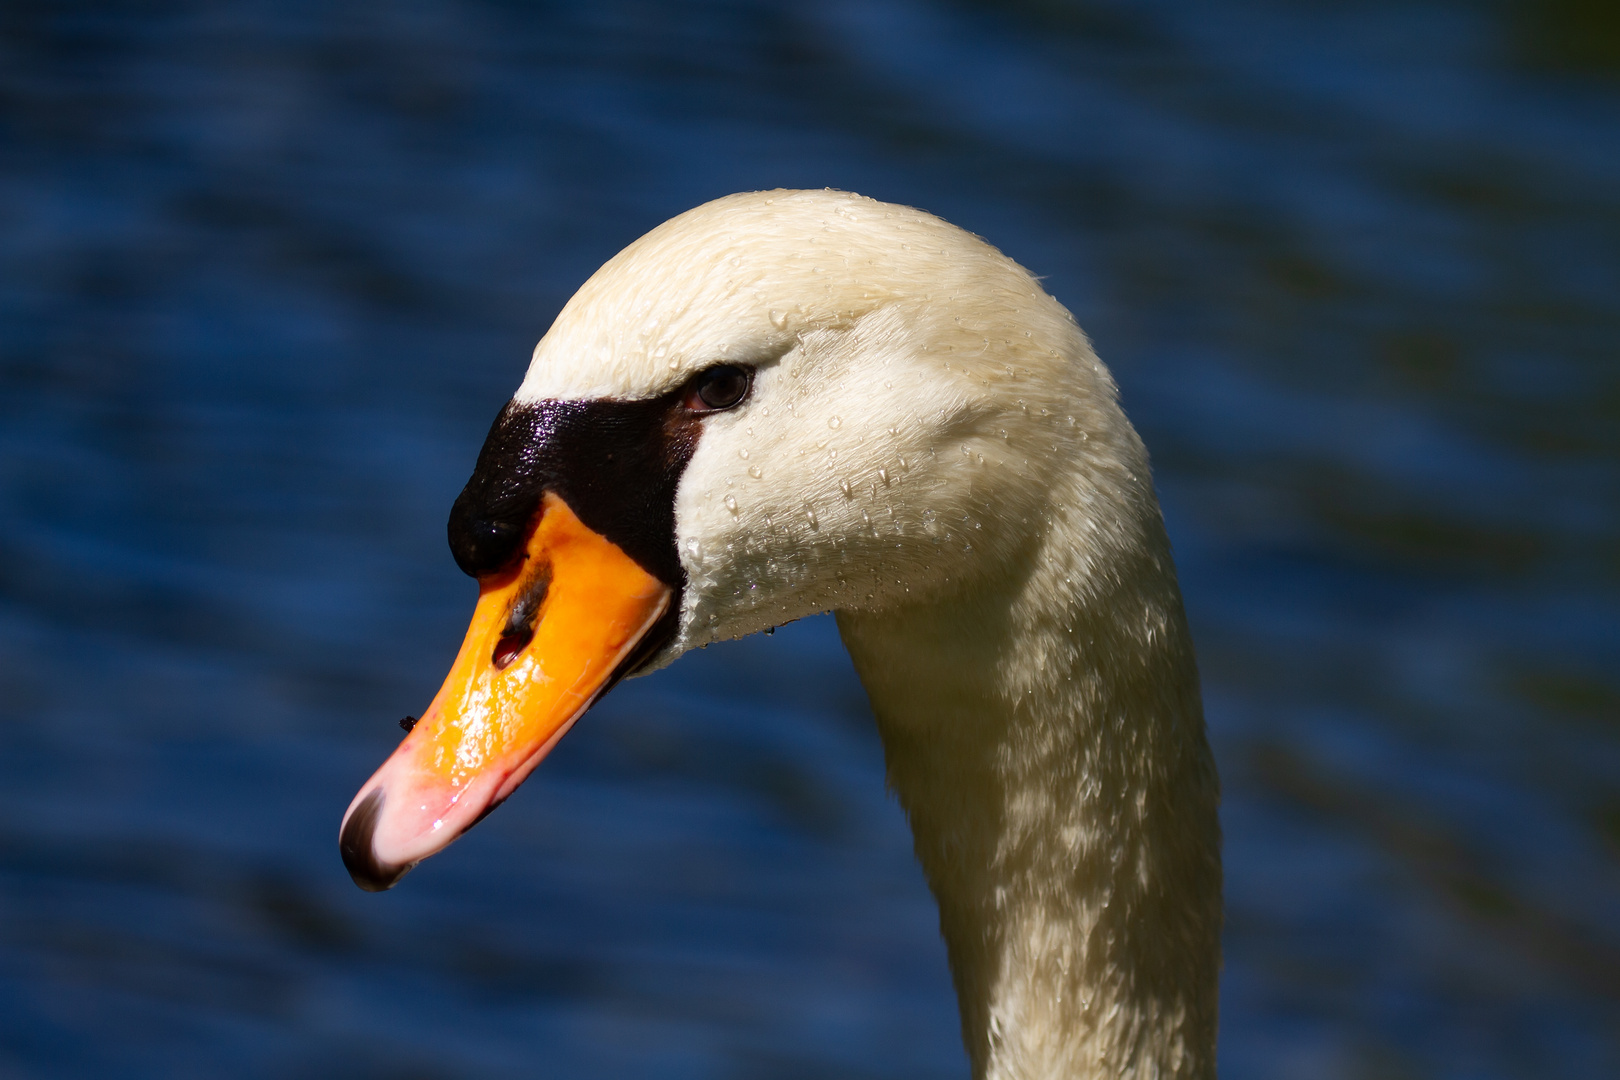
x: 1046, y: 740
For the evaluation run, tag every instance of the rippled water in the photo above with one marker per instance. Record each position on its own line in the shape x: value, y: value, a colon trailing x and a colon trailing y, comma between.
x: 268, y: 270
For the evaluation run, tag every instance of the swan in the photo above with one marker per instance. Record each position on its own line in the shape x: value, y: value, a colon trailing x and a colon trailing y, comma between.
x: 789, y: 402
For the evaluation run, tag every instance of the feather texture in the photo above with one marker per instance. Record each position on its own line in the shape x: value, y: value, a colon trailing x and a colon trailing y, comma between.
x: 932, y: 450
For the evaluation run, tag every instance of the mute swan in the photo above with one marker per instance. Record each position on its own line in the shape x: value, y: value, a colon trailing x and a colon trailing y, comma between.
x: 789, y: 402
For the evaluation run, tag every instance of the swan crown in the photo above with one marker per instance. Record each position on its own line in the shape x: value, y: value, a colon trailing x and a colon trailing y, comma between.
x: 745, y: 276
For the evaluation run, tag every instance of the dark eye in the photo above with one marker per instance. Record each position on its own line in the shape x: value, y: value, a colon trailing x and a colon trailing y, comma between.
x: 719, y: 388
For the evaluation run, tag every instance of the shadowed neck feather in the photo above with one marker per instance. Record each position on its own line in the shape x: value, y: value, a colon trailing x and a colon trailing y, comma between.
x: 1043, y: 733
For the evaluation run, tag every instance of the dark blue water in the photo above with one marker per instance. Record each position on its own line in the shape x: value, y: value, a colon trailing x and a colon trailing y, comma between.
x: 268, y: 270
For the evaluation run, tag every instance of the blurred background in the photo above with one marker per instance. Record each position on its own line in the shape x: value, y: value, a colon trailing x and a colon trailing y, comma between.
x: 269, y: 269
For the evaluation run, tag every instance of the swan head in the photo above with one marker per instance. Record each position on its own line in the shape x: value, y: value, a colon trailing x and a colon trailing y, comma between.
x: 776, y: 404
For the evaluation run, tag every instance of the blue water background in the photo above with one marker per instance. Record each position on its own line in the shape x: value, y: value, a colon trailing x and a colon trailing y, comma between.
x: 268, y: 270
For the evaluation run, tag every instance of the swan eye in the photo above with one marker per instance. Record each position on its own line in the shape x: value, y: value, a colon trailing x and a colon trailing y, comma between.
x: 719, y: 388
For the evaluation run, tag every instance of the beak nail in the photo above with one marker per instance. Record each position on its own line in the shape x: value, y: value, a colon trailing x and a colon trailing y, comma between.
x: 358, y: 855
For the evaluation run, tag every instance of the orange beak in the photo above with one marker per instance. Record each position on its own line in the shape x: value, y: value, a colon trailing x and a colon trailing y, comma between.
x: 546, y: 638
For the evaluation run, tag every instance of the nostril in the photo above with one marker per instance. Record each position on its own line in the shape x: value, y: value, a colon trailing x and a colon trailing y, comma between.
x: 510, y: 645
x: 520, y: 622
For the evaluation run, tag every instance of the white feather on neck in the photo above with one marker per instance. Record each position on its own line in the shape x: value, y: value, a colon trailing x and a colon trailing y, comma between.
x: 1045, y: 737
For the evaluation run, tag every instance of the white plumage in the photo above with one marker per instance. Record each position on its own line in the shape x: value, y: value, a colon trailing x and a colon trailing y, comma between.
x: 933, y: 451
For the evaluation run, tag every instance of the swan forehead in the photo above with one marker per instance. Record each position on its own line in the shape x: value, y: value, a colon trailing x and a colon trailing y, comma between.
x: 740, y: 280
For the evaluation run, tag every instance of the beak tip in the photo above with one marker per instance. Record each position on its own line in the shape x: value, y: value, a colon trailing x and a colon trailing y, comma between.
x: 359, y: 853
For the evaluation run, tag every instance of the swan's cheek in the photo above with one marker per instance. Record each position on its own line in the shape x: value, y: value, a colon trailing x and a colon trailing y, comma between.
x: 798, y: 540
x: 752, y: 528
x: 747, y: 562
x: 830, y: 491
